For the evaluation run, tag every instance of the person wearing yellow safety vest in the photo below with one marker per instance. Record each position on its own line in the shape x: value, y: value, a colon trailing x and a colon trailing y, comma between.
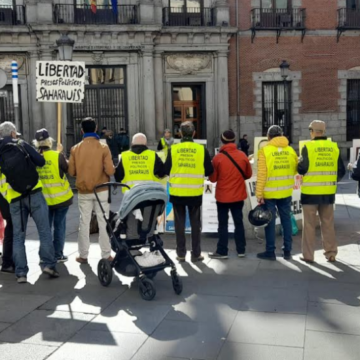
x: 139, y: 164
x: 31, y: 202
x: 187, y: 164
x: 56, y: 189
x: 277, y: 166
x: 166, y: 142
x: 322, y: 167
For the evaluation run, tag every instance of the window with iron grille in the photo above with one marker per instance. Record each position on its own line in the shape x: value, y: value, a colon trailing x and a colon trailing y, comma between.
x: 353, y: 110
x: 276, y: 105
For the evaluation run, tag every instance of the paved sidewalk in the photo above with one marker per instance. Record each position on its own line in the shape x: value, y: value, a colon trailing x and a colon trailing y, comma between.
x: 238, y: 309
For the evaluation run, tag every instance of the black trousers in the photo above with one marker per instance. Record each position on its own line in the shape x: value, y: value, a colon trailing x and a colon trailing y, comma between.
x: 195, y: 222
x: 223, y: 217
x: 7, y: 257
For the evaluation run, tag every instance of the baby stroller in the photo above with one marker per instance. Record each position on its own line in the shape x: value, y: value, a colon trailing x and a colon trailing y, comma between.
x: 134, y: 227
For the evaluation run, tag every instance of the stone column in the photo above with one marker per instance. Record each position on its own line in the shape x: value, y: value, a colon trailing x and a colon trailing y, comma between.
x: 223, y: 90
x: 49, y: 115
x: 36, y: 121
x: 39, y: 11
x: 159, y: 95
x: 149, y: 95
x: 147, y: 12
x: 221, y: 13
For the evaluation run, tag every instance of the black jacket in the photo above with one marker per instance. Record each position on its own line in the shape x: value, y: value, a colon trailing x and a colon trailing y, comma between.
x: 244, y: 146
x: 189, y: 200
x: 138, y: 149
x: 303, y: 168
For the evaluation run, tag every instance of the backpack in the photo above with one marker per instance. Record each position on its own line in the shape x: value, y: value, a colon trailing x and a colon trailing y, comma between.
x: 16, y: 165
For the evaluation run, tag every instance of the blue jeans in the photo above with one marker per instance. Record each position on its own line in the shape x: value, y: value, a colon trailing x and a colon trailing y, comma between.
x: 36, y: 205
x: 57, y: 217
x: 284, y: 208
x: 223, y: 217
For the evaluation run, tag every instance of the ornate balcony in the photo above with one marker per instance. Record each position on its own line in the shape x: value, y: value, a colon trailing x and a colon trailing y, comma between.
x: 348, y: 19
x: 188, y: 17
x: 10, y: 15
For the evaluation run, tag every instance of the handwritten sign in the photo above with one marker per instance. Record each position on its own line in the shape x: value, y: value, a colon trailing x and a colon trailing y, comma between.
x: 60, y: 81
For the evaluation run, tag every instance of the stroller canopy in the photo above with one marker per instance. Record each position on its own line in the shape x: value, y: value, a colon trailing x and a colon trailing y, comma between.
x: 149, y: 191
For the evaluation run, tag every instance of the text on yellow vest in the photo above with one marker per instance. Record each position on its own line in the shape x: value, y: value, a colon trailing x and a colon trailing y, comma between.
x: 56, y: 190
x: 281, y: 168
x: 321, y: 176
x: 187, y: 171
x: 138, y: 168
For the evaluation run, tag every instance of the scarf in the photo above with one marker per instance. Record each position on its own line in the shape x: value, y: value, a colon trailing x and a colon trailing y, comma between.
x: 169, y: 142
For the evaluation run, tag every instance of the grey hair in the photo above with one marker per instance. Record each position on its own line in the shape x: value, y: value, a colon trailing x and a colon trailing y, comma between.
x: 7, y: 128
x: 139, y: 139
x: 44, y: 143
x: 187, y: 129
x: 167, y: 131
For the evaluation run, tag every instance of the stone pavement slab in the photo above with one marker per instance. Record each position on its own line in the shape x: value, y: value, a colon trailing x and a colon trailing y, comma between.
x: 25, y: 351
x: 237, y: 351
x: 45, y: 328
x: 324, y: 345
x: 268, y: 329
x: 96, y: 345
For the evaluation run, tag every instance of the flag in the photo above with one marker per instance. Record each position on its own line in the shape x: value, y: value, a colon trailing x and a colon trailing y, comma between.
x: 93, y: 6
x: 114, y: 4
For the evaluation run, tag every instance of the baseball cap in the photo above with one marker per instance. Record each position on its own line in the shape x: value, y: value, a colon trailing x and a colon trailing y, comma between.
x: 41, y: 135
x: 317, y: 125
x: 275, y: 130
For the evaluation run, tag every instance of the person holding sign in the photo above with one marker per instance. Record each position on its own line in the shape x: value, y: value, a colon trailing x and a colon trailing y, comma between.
x: 277, y: 166
x: 322, y: 167
x: 56, y: 188
x: 187, y: 164
x: 139, y: 164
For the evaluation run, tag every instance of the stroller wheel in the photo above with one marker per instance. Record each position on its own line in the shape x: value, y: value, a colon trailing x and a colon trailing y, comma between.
x: 177, y: 283
x: 147, y: 289
x: 105, y: 272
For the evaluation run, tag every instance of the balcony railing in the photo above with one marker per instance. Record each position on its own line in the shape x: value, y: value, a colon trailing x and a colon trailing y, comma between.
x: 274, y: 19
x: 348, y: 19
x: 70, y: 14
x: 188, y: 17
x: 12, y: 16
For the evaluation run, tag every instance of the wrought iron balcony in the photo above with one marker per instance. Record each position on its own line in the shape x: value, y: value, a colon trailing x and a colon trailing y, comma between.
x: 105, y: 14
x: 278, y: 19
x: 349, y: 19
x: 188, y: 17
x: 10, y: 15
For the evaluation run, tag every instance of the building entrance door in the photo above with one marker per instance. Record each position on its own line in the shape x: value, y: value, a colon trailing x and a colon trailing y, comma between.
x: 105, y: 101
x: 188, y: 106
x: 7, y: 112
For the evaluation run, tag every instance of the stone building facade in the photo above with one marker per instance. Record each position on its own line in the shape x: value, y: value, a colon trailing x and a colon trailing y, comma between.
x: 150, y: 65
x: 318, y: 39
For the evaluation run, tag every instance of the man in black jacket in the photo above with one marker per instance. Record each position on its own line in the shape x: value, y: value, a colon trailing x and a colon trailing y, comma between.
x: 322, y: 167
x: 139, y: 146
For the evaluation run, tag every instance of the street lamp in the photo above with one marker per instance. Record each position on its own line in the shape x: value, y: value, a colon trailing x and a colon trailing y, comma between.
x: 65, y: 47
x: 285, y: 71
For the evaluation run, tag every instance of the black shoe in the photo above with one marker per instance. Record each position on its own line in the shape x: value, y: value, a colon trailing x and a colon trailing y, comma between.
x: 216, y: 255
x: 287, y: 255
x: 267, y: 256
x: 8, y: 269
x: 62, y: 259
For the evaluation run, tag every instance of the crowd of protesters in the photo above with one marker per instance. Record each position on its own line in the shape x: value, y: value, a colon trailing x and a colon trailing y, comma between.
x: 33, y: 183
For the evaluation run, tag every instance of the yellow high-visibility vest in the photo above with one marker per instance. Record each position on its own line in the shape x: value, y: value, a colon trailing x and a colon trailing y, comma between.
x: 164, y: 147
x: 138, y: 168
x: 321, y: 178
x: 187, y: 171
x: 8, y: 193
x: 281, y: 168
x: 56, y: 190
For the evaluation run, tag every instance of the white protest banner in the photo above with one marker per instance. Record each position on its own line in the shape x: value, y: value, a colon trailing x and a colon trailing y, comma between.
x: 209, y: 216
x: 60, y: 81
x: 296, y: 207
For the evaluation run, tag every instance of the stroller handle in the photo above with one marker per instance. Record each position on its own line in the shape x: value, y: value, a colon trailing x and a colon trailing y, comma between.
x: 110, y: 184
